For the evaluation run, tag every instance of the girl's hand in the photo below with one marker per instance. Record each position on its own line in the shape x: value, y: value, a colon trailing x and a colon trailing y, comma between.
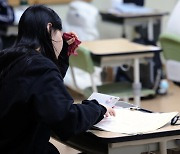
x: 110, y: 111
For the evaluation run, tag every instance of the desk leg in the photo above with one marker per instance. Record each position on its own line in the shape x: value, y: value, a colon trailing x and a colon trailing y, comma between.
x: 163, y: 147
x: 136, y: 84
x: 150, y: 29
x: 123, y: 30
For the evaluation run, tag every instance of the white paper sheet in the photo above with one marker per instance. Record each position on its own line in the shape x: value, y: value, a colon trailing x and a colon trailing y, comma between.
x: 104, y: 99
x: 135, y: 122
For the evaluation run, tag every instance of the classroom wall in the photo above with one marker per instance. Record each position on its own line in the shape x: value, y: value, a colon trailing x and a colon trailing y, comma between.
x: 111, y: 30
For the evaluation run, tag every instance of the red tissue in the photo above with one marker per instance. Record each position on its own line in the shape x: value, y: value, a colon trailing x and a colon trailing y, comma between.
x: 74, y: 45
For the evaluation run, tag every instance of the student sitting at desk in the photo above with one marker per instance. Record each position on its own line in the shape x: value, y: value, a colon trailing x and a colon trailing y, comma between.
x: 33, y: 98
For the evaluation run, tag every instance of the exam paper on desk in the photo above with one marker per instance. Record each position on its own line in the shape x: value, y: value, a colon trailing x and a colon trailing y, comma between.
x: 134, y: 122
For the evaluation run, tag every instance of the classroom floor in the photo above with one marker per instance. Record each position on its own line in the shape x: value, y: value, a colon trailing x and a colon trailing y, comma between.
x: 161, y: 103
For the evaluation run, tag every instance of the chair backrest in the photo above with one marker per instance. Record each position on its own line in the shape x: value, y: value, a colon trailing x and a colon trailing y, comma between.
x: 83, y: 60
x: 170, y: 44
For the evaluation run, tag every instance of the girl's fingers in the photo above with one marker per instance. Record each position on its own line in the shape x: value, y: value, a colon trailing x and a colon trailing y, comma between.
x: 110, y: 111
x: 74, y: 34
x: 70, y: 41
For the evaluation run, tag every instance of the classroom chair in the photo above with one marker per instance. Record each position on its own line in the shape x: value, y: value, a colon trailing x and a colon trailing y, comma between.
x: 170, y: 44
x: 121, y: 89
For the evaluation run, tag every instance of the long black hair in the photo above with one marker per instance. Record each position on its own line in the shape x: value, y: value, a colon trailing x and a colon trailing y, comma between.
x: 33, y: 32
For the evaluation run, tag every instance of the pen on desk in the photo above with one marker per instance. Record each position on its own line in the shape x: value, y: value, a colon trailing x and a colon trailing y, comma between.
x: 140, y: 109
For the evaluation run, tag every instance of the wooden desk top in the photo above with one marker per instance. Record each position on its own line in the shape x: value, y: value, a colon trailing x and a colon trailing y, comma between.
x: 112, y: 137
x: 117, y: 47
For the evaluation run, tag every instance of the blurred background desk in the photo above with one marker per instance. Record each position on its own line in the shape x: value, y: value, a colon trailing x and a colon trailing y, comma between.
x: 115, y: 52
x: 135, y: 20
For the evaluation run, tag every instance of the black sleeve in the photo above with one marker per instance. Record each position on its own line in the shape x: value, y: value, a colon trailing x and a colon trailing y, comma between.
x: 54, y: 107
x: 63, y: 59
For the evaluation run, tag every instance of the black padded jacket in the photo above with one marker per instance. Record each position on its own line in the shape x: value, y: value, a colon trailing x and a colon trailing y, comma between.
x: 34, y: 102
